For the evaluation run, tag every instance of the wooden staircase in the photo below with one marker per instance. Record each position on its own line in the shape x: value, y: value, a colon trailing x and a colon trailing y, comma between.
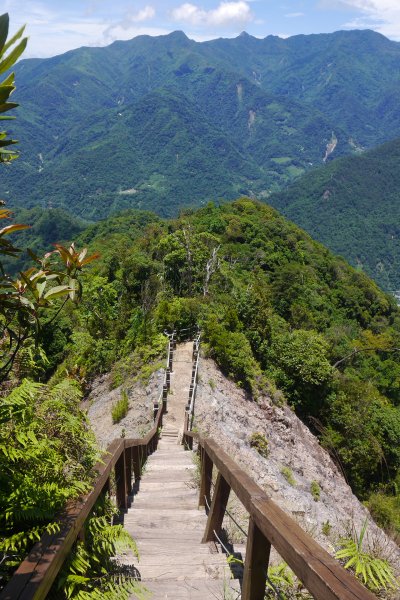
x: 168, y: 528
x: 178, y: 556
x: 164, y: 518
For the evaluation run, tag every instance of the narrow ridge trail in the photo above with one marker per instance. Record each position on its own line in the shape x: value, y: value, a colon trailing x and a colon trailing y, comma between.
x: 164, y: 518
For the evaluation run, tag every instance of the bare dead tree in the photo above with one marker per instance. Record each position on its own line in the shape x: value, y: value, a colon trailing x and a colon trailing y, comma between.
x: 211, y: 266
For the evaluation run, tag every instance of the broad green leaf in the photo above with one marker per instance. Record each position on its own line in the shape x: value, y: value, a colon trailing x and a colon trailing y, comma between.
x: 41, y: 287
x: 14, y: 38
x: 9, y: 80
x: 5, y: 92
x: 13, y: 56
x: 4, y: 26
x: 56, y: 292
x: 5, y: 108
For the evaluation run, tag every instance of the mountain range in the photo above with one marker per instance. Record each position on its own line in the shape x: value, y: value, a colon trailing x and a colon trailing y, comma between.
x: 165, y: 122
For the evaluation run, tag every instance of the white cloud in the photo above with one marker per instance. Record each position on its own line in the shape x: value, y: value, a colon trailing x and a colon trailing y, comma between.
x: 54, y: 31
x: 294, y: 15
x: 380, y: 15
x: 147, y: 13
x: 225, y: 15
x: 127, y: 27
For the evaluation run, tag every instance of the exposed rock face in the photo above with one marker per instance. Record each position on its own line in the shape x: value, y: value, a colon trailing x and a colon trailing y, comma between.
x: 140, y: 415
x: 225, y: 413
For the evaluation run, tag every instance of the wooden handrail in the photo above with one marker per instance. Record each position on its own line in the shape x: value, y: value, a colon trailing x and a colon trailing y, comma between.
x: 36, y: 574
x: 269, y: 525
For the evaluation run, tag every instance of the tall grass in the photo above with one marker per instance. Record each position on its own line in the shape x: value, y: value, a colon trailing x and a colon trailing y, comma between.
x: 120, y: 409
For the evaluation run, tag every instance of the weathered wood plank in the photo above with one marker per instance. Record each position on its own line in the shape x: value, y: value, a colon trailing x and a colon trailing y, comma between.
x: 218, y: 507
x: 256, y: 564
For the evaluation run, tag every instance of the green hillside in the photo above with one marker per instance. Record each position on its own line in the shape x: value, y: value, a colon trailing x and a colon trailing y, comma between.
x: 279, y: 313
x: 165, y: 122
x: 352, y: 205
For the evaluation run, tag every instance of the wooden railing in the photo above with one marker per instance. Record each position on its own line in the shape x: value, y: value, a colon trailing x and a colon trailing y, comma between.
x: 269, y: 526
x: 36, y: 574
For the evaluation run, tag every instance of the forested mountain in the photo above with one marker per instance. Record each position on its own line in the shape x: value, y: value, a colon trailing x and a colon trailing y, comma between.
x: 167, y: 122
x: 279, y: 313
x: 352, y: 205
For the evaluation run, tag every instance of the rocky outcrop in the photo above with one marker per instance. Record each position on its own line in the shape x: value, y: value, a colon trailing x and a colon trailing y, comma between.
x: 139, y: 419
x: 226, y: 413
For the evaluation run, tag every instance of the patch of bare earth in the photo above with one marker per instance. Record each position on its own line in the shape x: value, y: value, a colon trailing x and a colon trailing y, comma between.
x: 224, y: 412
x: 139, y: 419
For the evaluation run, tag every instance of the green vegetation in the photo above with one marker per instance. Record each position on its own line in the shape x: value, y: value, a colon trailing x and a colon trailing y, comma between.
x: 374, y: 572
x: 120, y: 409
x: 91, y: 572
x: 46, y: 455
x: 326, y: 528
x: 288, y: 475
x: 187, y: 122
x: 278, y: 312
x: 10, y: 51
x: 47, y: 450
x: 259, y: 442
x: 352, y: 206
x: 315, y: 490
x: 283, y: 582
x: 385, y: 509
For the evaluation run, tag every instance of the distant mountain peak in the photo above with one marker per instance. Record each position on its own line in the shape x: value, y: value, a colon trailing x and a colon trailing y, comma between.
x: 246, y: 36
x: 178, y: 35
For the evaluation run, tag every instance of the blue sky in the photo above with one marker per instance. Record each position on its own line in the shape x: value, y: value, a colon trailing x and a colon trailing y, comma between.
x: 55, y: 26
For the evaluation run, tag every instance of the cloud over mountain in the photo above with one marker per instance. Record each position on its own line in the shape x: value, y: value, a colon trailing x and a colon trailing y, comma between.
x: 226, y: 14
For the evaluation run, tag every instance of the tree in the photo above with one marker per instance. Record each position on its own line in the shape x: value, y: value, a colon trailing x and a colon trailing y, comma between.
x: 24, y: 300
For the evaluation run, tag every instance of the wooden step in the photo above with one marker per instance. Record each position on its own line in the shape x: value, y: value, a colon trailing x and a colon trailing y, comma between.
x: 193, y: 589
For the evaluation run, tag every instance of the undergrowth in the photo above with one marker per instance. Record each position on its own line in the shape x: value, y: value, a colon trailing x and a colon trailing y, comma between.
x: 92, y: 570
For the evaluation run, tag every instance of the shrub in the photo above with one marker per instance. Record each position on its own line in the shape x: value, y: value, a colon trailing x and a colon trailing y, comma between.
x: 259, y: 442
x: 91, y: 570
x: 315, y: 490
x: 386, y: 512
x: 375, y: 573
x: 288, y: 475
x: 233, y: 353
x: 326, y: 528
x: 120, y: 408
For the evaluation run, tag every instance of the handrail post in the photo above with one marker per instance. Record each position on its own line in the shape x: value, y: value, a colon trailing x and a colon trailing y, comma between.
x: 256, y: 564
x: 155, y: 410
x: 120, y: 478
x: 137, y: 471
x: 217, y: 510
x: 165, y: 397
x: 205, y: 483
x: 128, y: 470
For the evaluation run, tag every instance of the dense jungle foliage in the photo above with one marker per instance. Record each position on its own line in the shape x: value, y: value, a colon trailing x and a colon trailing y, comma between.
x: 279, y: 313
